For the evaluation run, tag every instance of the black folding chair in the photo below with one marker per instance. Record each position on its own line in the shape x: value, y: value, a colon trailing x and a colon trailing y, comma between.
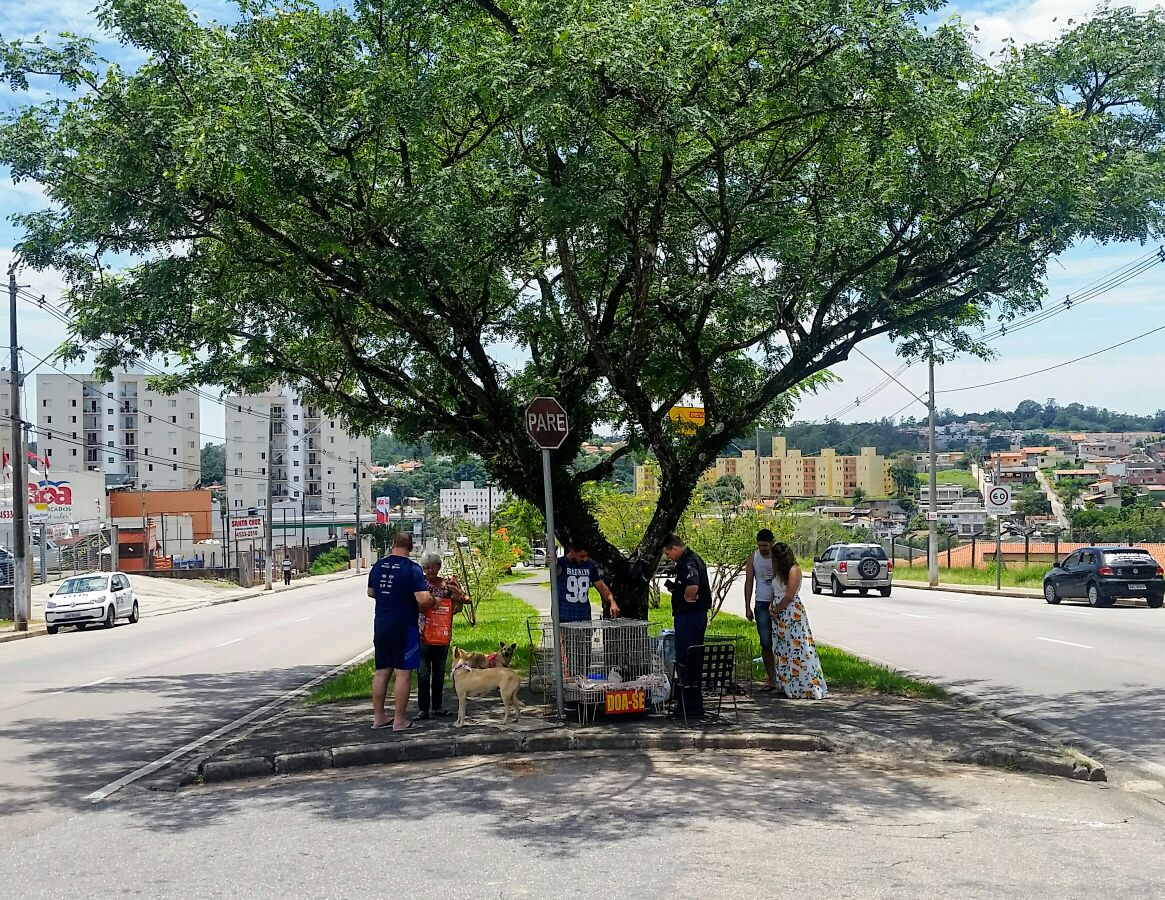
x: 714, y: 666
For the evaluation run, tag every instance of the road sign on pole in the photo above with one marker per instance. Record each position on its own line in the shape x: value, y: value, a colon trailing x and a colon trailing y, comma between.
x: 999, y: 501
x: 548, y: 426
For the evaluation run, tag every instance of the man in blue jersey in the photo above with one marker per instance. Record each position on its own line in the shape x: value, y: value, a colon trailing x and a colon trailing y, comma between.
x: 576, y: 576
x: 400, y: 590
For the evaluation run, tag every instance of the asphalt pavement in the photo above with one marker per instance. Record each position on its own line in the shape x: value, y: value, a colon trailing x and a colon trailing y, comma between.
x: 632, y: 824
x: 1095, y: 672
x: 79, y: 710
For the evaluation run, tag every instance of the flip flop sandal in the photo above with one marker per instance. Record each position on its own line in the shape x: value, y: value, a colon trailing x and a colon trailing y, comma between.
x: 385, y: 725
x: 407, y: 727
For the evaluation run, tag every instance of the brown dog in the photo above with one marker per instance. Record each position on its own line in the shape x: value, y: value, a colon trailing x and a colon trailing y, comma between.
x: 503, y: 657
x: 471, y: 682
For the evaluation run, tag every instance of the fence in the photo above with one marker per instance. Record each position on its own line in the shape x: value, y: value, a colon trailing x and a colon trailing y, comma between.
x: 979, y: 552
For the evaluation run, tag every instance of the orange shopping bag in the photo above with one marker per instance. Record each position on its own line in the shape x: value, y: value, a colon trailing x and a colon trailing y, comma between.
x: 438, y: 626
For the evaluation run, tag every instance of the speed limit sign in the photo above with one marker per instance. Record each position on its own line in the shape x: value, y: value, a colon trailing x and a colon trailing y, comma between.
x: 999, y: 501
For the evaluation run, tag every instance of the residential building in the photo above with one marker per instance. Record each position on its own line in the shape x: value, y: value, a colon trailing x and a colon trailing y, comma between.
x: 1090, y: 474
x: 944, y: 494
x: 944, y: 461
x: 789, y: 474
x: 133, y: 434
x: 317, y: 466
x: 470, y: 503
x: 964, y: 517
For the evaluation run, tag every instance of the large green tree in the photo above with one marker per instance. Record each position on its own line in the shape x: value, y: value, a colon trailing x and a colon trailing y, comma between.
x: 425, y: 213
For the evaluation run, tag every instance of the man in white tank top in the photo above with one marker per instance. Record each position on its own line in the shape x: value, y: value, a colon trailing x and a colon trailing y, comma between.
x: 759, y: 574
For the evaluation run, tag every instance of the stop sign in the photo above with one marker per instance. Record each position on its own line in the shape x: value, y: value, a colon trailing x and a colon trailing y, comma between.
x: 547, y: 422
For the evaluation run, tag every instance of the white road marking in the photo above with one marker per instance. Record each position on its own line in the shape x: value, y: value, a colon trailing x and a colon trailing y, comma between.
x: 97, y: 682
x: 956, y: 600
x: 1076, y: 612
x: 160, y: 763
x: 227, y: 643
x: 834, y: 600
x: 913, y: 616
x: 304, y: 619
x: 1065, y: 643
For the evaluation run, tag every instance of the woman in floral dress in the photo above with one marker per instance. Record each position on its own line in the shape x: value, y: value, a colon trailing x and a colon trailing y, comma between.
x: 799, y: 672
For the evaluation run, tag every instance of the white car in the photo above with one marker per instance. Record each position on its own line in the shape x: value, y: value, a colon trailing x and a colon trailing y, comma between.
x: 84, y: 600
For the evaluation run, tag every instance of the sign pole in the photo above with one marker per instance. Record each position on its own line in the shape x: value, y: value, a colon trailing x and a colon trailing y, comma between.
x: 551, y: 559
x: 998, y: 530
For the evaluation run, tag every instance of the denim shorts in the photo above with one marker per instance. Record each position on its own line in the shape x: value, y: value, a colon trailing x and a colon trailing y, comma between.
x: 764, y: 625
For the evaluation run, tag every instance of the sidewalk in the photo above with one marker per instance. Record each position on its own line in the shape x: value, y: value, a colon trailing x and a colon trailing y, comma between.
x: 165, y: 596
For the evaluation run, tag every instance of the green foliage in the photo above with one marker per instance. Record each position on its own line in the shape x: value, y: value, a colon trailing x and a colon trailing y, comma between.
x: 522, y: 519
x: 1030, y: 500
x: 381, y: 535
x: 214, y: 462
x: 379, y: 203
x: 903, y: 473
x: 481, y: 559
x: 334, y: 560
x: 1129, y: 524
x: 953, y: 476
x: 1074, y: 417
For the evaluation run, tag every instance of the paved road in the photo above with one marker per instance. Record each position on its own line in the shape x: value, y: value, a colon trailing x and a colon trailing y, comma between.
x: 1097, y: 672
x: 749, y: 825
x: 80, y: 709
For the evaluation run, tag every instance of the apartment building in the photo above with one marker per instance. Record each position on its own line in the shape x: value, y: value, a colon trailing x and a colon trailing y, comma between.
x: 317, y: 466
x: 121, y: 428
x: 787, y: 473
x: 471, y: 503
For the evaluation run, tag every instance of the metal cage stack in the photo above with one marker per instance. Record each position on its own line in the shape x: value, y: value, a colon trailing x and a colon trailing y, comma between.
x: 598, y: 657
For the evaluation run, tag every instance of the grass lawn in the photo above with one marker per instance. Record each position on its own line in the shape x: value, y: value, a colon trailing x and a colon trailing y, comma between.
x: 841, y: 669
x: 1016, y: 576
x: 952, y: 476
x: 502, y: 619
x: 6, y: 623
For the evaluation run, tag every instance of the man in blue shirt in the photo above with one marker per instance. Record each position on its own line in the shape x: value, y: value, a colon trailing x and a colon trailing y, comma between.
x: 576, y: 576
x: 400, y: 590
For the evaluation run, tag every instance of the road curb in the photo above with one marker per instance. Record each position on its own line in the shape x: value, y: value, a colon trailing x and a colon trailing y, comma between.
x: 971, y: 589
x: 222, y: 601
x: 449, y: 746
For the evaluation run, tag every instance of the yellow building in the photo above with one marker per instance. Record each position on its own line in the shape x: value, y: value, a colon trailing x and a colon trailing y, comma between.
x: 788, y: 474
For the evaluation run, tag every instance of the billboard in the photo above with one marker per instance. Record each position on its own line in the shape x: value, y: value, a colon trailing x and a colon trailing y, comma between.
x: 70, y: 498
x: 246, y: 528
x: 383, y: 507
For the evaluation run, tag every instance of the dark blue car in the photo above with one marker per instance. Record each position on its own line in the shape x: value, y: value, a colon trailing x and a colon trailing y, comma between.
x: 1102, y: 575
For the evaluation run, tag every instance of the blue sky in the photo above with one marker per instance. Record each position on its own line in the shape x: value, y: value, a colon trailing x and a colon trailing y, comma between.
x: 1123, y: 379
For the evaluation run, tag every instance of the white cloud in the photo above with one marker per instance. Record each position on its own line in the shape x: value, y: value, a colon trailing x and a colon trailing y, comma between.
x: 1032, y: 22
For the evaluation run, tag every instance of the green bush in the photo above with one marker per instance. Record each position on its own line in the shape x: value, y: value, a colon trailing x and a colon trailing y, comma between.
x: 335, y: 560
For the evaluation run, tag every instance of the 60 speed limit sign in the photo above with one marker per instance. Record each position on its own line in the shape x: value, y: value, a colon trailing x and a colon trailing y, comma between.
x: 999, y: 501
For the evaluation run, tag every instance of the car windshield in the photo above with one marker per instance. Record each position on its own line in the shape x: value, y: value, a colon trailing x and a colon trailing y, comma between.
x: 856, y: 553
x: 83, y: 585
x: 1128, y: 558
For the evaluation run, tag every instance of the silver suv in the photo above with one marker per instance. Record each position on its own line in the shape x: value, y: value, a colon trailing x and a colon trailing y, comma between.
x: 844, y: 567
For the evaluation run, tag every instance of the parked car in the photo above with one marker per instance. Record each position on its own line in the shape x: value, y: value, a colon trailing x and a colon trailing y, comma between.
x: 538, y: 556
x: 843, y: 567
x: 1102, y: 575
x: 99, y: 597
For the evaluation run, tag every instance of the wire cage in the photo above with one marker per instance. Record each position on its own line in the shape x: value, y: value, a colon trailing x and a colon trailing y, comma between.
x: 598, y: 657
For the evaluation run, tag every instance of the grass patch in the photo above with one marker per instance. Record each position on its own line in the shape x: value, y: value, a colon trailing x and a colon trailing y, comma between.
x: 842, y: 670
x: 952, y: 476
x: 1016, y: 576
x: 6, y: 623
x: 501, y: 619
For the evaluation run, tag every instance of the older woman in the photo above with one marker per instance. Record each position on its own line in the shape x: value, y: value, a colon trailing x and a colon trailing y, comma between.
x: 436, y: 629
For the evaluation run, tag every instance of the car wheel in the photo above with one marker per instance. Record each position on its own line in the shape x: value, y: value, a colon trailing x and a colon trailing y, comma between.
x: 134, y: 614
x: 885, y: 592
x: 1050, y: 594
x: 865, y: 592
x: 1155, y: 602
x: 835, y: 587
x: 110, y: 618
x: 52, y: 629
x: 813, y: 585
x: 1094, y: 598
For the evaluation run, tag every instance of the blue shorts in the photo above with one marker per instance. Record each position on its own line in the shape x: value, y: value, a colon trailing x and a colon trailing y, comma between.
x: 397, y: 648
x: 764, y: 625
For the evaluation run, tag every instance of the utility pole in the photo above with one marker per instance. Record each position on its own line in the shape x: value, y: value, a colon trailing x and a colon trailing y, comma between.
x: 268, y: 524
x: 932, y: 539
x: 998, y: 529
x: 359, y: 539
x: 21, y: 586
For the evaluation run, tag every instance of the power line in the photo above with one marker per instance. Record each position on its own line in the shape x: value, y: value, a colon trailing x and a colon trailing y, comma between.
x: 972, y: 387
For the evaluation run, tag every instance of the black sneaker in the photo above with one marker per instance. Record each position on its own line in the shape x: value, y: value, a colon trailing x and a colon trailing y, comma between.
x: 422, y: 715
